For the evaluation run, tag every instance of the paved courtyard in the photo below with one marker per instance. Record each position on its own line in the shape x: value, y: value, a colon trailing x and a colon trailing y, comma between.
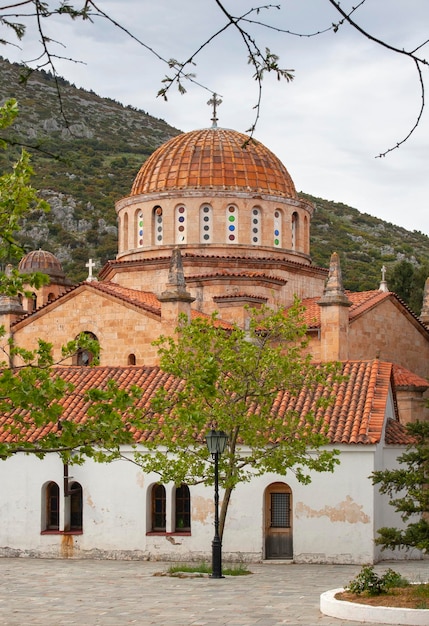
x: 114, y: 593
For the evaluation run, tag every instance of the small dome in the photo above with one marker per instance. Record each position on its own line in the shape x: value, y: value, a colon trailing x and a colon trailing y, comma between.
x: 41, y: 261
x: 214, y: 158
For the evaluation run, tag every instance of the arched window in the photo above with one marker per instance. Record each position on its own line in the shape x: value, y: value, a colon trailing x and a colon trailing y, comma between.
x: 76, y: 506
x: 232, y: 224
x: 51, y: 297
x: 52, y: 506
x: 131, y: 359
x: 206, y: 223
x: 123, y: 233
x: 181, y: 224
x: 33, y: 302
x: 306, y: 235
x: 139, y: 231
x: 158, y: 508
x: 255, y: 226
x: 294, y: 230
x: 158, y: 226
x: 83, y: 356
x: 183, y: 508
x: 277, y: 229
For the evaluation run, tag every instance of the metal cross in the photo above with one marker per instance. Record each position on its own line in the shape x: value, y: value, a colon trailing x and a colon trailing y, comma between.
x: 214, y: 102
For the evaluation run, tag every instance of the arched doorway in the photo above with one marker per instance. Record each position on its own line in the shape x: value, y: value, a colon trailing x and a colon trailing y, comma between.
x: 278, y: 522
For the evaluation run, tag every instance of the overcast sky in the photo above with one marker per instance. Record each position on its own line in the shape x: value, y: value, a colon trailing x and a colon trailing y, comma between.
x: 350, y: 99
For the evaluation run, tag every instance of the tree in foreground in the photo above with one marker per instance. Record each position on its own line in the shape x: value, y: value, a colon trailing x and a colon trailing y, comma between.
x: 408, y: 489
x: 31, y: 390
x: 239, y: 381
x: 17, y: 199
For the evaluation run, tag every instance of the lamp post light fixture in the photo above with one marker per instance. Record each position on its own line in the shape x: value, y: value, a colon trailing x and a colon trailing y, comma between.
x: 216, y: 442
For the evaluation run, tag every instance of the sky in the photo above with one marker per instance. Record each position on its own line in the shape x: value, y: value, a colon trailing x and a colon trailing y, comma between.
x: 350, y: 99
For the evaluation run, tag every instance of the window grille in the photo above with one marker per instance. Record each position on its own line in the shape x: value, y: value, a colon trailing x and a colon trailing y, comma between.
x: 280, y: 510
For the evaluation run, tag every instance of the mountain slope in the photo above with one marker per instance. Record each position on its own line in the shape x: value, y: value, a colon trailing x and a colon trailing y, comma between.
x: 98, y: 147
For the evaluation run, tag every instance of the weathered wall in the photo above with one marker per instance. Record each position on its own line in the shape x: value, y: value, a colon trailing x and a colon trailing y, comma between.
x: 333, y: 517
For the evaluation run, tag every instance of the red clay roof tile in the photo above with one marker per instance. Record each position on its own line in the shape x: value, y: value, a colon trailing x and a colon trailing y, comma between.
x: 362, y: 301
x: 356, y: 415
x: 405, y: 378
x: 214, y: 158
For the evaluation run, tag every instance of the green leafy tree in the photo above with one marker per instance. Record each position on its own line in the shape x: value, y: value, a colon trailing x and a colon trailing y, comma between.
x: 31, y: 408
x: 417, y: 288
x: 401, y: 280
x: 408, y: 489
x: 236, y: 381
x: 17, y: 199
x: 408, y: 282
x: 31, y: 389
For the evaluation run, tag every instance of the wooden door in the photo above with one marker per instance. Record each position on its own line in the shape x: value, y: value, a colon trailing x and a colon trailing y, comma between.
x: 278, y: 522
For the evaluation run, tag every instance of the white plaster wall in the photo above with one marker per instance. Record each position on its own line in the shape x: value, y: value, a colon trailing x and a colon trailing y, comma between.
x: 21, y: 480
x: 333, y: 517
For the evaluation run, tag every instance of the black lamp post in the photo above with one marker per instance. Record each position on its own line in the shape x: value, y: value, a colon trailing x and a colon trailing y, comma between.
x: 216, y: 442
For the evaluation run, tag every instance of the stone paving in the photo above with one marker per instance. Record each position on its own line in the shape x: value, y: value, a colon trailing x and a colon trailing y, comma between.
x: 47, y: 592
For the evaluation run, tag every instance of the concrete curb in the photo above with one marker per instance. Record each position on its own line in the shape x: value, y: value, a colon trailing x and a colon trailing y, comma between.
x: 373, y: 614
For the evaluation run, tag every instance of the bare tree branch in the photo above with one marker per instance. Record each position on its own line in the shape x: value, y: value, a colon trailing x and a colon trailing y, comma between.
x: 418, y: 62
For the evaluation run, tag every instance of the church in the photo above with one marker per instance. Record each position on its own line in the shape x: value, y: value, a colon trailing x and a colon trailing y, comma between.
x: 213, y: 222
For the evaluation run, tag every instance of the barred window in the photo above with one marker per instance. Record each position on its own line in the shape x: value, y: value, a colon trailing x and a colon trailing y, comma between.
x: 280, y: 510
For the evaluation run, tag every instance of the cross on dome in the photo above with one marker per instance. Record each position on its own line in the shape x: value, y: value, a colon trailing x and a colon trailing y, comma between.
x: 214, y: 102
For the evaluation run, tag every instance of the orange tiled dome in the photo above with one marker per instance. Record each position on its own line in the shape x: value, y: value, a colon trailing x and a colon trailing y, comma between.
x: 214, y: 158
x: 41, y: 261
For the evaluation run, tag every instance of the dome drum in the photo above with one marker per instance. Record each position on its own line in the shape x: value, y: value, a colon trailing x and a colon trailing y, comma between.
x: 214, y: 219
x: 214, y: 187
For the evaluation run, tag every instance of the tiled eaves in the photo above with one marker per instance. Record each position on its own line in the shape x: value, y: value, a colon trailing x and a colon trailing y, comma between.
x: 144, y: 300
x: 230, y: 259
x: 244, y: 276
x: 148, y: 301
x: 406, y: 380
x: 276, y: 263
x: 396, y: 434
x: 371, y: 299
x: 356, y: 414
x: 240, y: 297
x: 362, y: 302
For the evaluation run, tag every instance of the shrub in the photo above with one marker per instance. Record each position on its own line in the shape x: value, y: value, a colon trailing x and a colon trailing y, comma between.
x: 369, y: 582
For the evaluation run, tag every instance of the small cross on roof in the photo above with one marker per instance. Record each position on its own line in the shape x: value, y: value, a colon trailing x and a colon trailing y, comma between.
x: 90, y: 265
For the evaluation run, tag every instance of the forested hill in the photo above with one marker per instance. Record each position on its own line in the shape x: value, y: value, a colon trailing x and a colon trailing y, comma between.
x: 87, y: 151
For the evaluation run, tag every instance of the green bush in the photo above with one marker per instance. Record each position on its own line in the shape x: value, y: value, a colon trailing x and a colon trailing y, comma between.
x: 369, y: 582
